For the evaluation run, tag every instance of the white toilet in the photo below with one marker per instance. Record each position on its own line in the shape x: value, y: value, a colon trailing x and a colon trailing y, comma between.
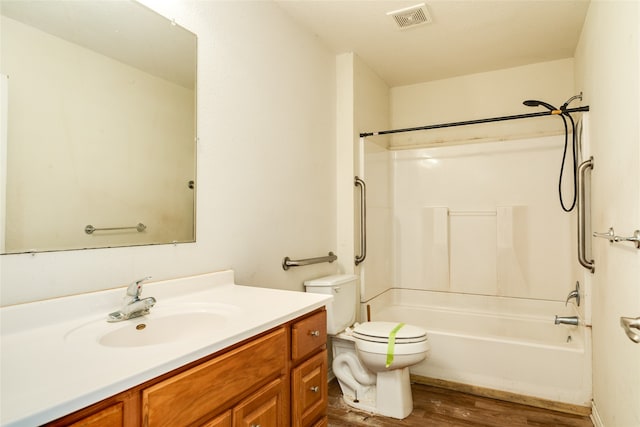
x: 371, y: 360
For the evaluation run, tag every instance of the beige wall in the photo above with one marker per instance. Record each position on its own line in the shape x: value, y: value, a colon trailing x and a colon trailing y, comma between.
x: 479, y: 96
x: 608, y: 72
x: 346, y: 157
x: 363, y: 104
x: 266, y: 163
x: 372, y: 106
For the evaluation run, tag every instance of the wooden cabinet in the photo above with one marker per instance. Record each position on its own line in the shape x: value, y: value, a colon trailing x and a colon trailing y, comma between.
x: 309, y: 372
x: 110, y: 416
x: 121, y: 410
x: 276, y: 379
x: 265, y: 408
x: 309, y: 390
x: 222, y: 420
x: 308, y: 336
x: 211, y: 386
x: 324, y: 422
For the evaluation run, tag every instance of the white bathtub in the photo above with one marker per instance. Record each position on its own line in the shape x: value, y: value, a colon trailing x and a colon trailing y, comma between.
x: 505, y: 344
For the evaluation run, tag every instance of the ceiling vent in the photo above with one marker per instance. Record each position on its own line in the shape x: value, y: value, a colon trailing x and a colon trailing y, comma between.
x: 410, y: 17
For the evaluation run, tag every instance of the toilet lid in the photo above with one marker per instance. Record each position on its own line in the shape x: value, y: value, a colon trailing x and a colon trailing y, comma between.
x: 380, y: 331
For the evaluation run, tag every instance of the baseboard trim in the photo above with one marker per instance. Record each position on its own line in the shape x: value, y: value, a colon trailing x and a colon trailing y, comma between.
x: 537, y: 402
x: 595, y: 416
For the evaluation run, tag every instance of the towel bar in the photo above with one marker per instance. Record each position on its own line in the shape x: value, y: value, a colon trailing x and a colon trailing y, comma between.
x: 140, y: 227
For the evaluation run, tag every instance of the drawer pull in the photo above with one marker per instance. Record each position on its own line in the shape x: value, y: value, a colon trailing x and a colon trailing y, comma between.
x: 315, y: 389
x: 255, y: 425
x: 315, y: 333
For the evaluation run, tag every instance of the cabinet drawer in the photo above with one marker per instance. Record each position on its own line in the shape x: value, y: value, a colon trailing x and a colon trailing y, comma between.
x: 308, y: 335
x: 309, y: 390
x: 191, y: 395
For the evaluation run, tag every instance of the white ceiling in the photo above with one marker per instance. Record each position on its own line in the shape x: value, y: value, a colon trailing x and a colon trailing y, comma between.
x: 465, y: 37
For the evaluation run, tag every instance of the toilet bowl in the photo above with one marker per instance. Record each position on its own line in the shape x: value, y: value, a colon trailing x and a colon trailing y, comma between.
x: 409, y: 346
x: 371, y: 360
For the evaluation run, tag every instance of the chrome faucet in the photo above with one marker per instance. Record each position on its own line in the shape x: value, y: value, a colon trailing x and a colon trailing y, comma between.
x: 566, y: 320
x: 133, y: 306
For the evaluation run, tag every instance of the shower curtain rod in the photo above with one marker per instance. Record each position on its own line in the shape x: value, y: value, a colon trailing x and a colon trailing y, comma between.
x: 478, y: 121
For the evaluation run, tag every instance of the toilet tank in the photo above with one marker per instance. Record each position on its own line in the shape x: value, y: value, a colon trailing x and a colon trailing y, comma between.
x: 341, y: 311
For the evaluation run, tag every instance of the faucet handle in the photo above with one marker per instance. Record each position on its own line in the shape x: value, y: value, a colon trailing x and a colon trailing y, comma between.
x: 135, y: 288
x: 574, y: 294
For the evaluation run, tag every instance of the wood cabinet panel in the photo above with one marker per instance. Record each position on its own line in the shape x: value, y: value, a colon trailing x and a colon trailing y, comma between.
x: 309, y: 390
x: 111, y: 416
x: 122, y: 409
x: 265, y: 408
x: 223, y: 420
x: 191, y: 395
x: 308, y: 335
x: 323, y: 422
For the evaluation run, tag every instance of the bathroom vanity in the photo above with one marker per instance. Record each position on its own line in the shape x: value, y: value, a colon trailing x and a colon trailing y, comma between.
x: 260, y: 359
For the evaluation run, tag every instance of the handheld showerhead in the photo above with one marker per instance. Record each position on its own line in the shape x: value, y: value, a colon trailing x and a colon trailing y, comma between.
x: 562, y: 112
x: 536, y: 103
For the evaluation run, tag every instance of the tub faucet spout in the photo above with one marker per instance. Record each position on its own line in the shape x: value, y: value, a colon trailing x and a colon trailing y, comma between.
x: 566, y: 320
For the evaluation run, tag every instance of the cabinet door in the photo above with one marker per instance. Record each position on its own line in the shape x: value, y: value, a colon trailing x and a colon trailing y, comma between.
x: 213, y: 386
x: 120, y: 410
x: 323, y: 422
x: 223, y: 420
x: 111, y: 416
x: 263, y: 409
x: 309, y: 392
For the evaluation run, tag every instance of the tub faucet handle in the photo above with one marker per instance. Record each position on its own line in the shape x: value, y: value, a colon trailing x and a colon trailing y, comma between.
x: 574, y: 294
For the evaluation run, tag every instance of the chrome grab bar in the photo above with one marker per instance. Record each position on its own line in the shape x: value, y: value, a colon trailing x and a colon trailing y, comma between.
x: 627, y: 323
x: 140, y: 227
x: 288, y: 262
x: 363, y: 220
x: 582, y: 258
x: 611, y: 236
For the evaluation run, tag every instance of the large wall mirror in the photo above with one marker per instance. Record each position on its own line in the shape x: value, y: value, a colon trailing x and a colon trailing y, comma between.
x: 98, y: 126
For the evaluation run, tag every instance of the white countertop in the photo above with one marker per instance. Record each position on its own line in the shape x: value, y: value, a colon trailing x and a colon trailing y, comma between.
x: 45, y: 375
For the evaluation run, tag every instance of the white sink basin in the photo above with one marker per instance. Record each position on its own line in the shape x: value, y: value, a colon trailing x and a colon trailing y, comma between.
x: 168, y: 324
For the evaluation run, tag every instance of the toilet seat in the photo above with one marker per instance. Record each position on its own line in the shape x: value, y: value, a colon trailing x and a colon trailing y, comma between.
x: 378, y: 332
x: 373, y: 337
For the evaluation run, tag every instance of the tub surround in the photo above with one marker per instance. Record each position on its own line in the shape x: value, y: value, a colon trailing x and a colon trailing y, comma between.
x: 49, y: 369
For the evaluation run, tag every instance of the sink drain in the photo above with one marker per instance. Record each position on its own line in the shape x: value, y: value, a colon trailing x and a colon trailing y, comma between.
x: 141, y: 326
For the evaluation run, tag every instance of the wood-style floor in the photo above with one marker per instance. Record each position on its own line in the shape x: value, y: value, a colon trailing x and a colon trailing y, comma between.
x: 433, y: 406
